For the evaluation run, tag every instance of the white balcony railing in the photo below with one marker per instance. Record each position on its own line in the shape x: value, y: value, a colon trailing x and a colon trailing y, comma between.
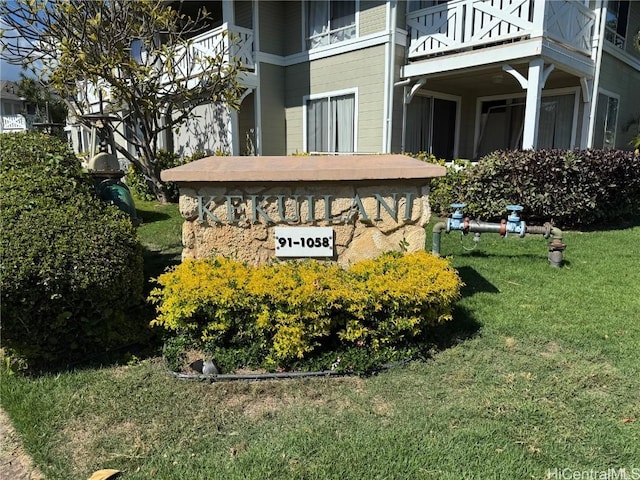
x: 234, y: 44
x: 466, y: 24
x: 14, y: 123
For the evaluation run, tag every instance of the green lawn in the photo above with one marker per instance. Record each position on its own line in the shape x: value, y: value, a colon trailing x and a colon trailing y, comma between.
x: 539, y: 375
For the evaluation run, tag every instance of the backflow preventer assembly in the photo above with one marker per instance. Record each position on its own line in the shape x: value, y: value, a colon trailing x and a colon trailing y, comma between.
x: 513, y: 224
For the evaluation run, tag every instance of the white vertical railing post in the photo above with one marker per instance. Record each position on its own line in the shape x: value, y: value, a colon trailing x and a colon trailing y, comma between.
x: 538, y: 18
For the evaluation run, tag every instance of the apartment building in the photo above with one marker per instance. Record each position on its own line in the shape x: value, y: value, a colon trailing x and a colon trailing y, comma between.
x: 13, y: 109
x: 455, y: 78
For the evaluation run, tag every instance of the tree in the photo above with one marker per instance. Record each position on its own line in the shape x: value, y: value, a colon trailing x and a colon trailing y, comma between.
x: 49, y: 106
x: 137, y: 56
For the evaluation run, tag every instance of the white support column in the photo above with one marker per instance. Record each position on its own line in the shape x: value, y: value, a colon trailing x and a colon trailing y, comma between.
x: 535, y: 81
x: 233, y: 132
x: 587, y: 98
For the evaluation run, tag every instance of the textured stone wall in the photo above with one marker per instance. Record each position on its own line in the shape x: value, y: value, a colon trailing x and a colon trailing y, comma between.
x: 238, y: 219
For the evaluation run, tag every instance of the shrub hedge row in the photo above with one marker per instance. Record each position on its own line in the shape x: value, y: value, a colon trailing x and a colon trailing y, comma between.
x: 571, y: 188
x: 71, y: 264
x: 292, y: 310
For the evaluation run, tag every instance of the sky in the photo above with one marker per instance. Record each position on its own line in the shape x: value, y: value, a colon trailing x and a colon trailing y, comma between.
x: 9, y: 72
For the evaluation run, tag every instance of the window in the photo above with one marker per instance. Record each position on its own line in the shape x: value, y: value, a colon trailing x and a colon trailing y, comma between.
x: 502, y: 124
x: 616, y: 22
x: 330, y: 21
x: 431, y: 126
x: 556, y: 121
x: 331, y: 123
x: 606, y: 122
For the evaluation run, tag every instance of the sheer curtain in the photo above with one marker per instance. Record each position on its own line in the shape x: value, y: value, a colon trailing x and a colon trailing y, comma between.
x: 317, y: 119
x: 418, y: 126
x: 556, y: 122
x: 342, y: 123
x: 343, y: 21
x: 317, y: 23
x: 330, y: 21
x: 331, y: 124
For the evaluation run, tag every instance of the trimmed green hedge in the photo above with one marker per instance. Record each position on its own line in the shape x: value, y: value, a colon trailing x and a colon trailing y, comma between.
x: 571, y: 188
x: 71, y: 264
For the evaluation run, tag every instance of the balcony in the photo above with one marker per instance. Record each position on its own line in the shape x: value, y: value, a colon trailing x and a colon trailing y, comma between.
x: 463, y: 25
x: 14, y: 123
x: 233, y: 43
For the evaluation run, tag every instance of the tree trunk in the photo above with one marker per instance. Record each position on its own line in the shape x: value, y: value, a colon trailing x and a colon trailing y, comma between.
x: 159, y: 189
x: 151, y: 171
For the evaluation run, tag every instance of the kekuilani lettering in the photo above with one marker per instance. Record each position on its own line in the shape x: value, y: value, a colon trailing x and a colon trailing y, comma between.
x: 251, y: 208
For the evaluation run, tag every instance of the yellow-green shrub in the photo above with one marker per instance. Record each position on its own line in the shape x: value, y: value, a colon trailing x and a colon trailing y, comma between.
x: 206, y: 298
x: 300, y: 304
x: 294, y: 310
x: 395, y: 297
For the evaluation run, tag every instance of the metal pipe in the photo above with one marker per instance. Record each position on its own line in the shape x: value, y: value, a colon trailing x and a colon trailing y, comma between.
x: 255, y: 376
x: 437, y: 230
x: 556, y: 247
x: 484, y: 227
x: 512, y: 225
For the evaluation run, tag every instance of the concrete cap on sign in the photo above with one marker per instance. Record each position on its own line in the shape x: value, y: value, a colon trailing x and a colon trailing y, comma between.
x: 303, y: 168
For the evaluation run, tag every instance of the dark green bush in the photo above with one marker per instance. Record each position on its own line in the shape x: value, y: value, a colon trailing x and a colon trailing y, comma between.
x: 448, y: 189
x: 71, y: 264
x: 571, y: 188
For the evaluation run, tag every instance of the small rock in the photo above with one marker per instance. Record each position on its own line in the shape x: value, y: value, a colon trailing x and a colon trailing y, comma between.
x: 209, y: 368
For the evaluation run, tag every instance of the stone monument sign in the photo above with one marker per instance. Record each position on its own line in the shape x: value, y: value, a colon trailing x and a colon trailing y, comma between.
x: 344, y: 208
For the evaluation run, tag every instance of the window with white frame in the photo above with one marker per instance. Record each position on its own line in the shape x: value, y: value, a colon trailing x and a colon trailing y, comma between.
x: 606, y: 121
x: 330, y: 21
x: 616, y: 22
x: 330, y: 123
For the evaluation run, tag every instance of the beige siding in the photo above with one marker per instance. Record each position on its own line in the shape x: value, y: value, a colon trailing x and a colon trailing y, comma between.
x: 272, y: 110
x: 373, y: 17
x: 293, y: 32
x: 273, y: 26
x: 619, y: 78
x: 243, y: 13
x: 632, y: 29
x: 363, y: 70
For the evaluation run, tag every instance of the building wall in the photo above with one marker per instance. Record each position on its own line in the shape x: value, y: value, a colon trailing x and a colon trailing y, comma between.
x: 243, y: 12
x: 362, y: 70
x: 294, y: 42
x: 373, y: 17
x: 618, y: 77
x: 272, y: 101
x: 398, y: 100
x: 273, y: 28
x: 206, y: 131
x: 633, y: 26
